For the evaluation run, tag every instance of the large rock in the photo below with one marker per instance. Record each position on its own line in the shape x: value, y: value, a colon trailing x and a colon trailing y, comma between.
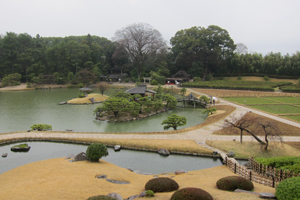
x: 80, y: 157
x: 117, y: 147
x: 231, y: 154
x: 4, y: 155
x: 115, y: 195
x: 164, y: 152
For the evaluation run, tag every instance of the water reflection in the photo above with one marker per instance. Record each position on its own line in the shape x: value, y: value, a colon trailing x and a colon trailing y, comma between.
x: 21, y: 109
x: 136, y: 160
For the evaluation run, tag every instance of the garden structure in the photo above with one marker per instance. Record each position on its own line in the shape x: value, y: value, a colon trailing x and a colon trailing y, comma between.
x: 141, y: 90
x: 181, y: 76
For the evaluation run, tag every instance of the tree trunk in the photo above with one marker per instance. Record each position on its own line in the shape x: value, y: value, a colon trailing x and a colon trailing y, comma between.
x: 267, y: 142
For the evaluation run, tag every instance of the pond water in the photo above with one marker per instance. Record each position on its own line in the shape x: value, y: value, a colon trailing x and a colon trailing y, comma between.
x: 136, y: 160
x: 21, y: 109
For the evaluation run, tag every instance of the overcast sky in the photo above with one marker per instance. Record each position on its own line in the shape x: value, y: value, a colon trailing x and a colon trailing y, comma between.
x: 262, y: 25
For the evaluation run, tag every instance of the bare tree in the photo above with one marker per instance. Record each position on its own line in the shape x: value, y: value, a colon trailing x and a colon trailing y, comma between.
x: 141, y: 41
x: 102, y: 86
x: 271, y: 131
x: 241, y: 49
x: 244, y: 123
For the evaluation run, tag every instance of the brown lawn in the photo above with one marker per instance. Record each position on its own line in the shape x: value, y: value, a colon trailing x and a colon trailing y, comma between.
x: 283, y: 128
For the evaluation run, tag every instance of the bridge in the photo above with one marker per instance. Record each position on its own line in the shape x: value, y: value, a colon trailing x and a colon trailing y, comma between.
x: 194, y: 100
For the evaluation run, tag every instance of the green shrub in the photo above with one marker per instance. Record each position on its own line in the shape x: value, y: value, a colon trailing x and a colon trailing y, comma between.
x: 149, y: 193
x: 127, y: 80
x: 239, y: 78
x: 81, y: 95
x: 80, y: 85
x: 197, y: 79
x: 96, y: 151
x: 231, y: 183
x: 288, y: 189
x: 288, y: 163
x: 266, y: 78
x: 191, y: 194
x: 41, y: 127
x: 28, y: 85
x: 161, y: 184
x: 101, y: 197
x: 154, y: 82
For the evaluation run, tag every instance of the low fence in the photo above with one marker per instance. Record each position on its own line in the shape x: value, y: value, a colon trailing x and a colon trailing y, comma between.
x: 259, y: 173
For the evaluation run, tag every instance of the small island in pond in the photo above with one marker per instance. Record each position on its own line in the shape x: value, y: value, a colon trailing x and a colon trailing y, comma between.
x: 20, y: 148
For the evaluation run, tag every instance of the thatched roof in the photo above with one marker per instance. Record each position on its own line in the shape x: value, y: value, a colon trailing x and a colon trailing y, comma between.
x: 181, y: 74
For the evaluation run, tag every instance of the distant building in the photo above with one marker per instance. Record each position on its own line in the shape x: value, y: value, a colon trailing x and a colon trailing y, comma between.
x: 140, y: 89
x: 181, y: 76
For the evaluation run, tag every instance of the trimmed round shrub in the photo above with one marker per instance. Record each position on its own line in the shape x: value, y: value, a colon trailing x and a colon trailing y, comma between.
x: 154, y: 82
x: 288, y: 189
x: 101, y: 197
x: 231, y: 183
x: 161, y: 184
x: 96, y: 151
x: 191, y: 193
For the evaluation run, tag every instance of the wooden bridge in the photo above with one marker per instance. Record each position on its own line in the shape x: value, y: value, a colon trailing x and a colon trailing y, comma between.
x: 194, y: 100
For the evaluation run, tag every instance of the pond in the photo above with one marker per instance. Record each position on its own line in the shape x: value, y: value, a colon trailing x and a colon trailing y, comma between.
x: 21, y: 109
x: 136, y: 160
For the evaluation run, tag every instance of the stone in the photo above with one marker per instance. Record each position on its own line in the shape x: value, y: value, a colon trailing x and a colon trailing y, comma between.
x: 101, y: 176
x: 70, y: 156
x: 115, y: 195
x: 132, y: 197
x: 4, y: 155
x: 117, y: 147
x: 117, y: 182
x: 231, y: 154
x: 164, y: 152
x: 80, y: 157
x: 179, y: 172
x: 19, y: 148
x: 267, y: 195
x: 143, y: 194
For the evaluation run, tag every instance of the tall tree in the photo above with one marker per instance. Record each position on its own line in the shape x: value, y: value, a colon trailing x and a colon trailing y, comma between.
x: 142, y: 42
x: 202, y: 50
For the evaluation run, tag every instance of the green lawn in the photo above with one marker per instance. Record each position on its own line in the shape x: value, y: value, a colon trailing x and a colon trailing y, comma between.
x: 278, y: 109
x: 250, y: 100
x: 294, y: 117
x: 292, y: 100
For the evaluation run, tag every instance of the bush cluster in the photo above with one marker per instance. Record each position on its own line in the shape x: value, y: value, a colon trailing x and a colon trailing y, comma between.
x: 231, y: 183
x: 161, y: 184
x: 96, y: 151
x: 191, y: 194
x: 288, y: 163
x: 101, y: 197
x: 154, y: 82
x: 237, y: 85
x: 288, y: 189
x: 41, y: 127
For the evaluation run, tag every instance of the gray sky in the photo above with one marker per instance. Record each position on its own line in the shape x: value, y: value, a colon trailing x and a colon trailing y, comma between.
x: 262, y: 25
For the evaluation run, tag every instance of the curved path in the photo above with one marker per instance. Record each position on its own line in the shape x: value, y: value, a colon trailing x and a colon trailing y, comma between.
x: 199, y: 135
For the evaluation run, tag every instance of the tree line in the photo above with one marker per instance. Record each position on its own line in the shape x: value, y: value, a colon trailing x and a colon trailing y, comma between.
x: 141, y: 51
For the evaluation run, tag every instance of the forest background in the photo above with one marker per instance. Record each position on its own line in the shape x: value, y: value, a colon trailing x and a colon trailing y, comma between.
x: 202, y: 52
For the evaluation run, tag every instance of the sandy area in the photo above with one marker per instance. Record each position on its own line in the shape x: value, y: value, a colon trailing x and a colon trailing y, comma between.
x: 59, y: 179
x: 97, y: 98
x: 17, y: 87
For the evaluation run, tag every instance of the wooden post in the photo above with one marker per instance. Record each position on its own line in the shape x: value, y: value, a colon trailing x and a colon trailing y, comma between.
x: 250, y: 176
x: 235, y: 168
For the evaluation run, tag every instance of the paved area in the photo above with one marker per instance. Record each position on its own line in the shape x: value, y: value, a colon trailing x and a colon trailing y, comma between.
x: 199, y: 135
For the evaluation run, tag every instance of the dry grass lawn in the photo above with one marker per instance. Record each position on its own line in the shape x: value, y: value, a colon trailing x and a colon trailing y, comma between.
x: 85, y: 100
x: 284, y: 129
x: 62, y: 180
x: 254, y: 149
